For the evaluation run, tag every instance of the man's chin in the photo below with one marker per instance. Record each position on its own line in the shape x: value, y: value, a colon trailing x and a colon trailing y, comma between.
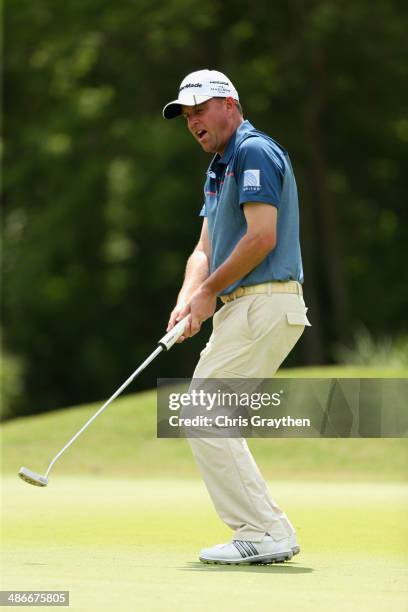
x: 206, y: 147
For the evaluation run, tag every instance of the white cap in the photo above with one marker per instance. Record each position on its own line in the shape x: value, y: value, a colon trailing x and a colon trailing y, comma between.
x: 198, y: 87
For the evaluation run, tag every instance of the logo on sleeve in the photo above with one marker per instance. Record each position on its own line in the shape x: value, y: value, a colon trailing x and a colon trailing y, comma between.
x: 252, y: 180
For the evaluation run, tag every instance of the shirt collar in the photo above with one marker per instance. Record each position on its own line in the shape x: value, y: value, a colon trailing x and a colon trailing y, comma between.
x: 236, y: 138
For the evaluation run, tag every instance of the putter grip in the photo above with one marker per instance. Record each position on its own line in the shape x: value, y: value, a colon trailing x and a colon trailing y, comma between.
x: 173, y: 335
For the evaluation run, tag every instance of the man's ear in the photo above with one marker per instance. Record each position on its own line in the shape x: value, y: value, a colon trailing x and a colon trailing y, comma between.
x: 230, y: 104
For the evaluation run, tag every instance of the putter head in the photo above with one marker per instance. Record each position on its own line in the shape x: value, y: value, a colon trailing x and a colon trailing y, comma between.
x: 32, y: 477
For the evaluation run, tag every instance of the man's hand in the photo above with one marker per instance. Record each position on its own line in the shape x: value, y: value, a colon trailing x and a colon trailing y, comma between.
x: 180, y: 311
x: 202, y: 306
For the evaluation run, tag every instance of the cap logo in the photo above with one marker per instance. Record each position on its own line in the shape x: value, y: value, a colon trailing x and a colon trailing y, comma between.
x: 190, y: 85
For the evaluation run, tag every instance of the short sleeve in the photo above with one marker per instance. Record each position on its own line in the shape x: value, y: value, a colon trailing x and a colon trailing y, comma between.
x: 259, y: 172
x: 203, y: 211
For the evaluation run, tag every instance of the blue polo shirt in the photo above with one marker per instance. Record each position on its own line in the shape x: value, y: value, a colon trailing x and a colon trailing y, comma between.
x: 253, y: 168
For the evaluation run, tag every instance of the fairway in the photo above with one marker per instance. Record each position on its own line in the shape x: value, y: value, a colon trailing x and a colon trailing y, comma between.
x: 133, y: 544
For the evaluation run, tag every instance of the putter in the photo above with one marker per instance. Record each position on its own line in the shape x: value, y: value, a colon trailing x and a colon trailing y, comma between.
x: 164, y: 344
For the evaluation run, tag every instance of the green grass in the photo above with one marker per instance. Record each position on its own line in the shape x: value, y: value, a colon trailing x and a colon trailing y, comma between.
x: 123, y: 442
x: 124, y: 516
x: 132, y: 545
x: 343, y: 371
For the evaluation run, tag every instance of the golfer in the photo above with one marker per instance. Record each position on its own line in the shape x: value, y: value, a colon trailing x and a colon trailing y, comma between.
x: 248, y: 256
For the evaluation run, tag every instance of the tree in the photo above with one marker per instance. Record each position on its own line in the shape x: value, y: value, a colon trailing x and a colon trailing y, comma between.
x: 102, y: 195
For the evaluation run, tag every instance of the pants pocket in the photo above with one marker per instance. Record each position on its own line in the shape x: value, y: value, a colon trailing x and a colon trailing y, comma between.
x: 298, y: 318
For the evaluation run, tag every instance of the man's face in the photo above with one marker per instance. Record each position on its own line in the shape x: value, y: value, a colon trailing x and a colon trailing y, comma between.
x: 210, y: 123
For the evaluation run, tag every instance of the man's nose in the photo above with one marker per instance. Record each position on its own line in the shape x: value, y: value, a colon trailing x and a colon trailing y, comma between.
x: 192, y: 121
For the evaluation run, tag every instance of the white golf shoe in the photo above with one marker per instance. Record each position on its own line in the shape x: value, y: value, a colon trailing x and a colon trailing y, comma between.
x: 267, y: 550
x: 294, y: 544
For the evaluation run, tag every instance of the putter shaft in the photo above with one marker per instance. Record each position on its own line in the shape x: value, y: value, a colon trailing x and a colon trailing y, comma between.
x: 105, y: 405
x: 164, y: 344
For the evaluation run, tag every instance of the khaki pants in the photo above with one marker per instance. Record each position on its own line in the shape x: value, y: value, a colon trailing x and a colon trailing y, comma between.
x: 251, y: 337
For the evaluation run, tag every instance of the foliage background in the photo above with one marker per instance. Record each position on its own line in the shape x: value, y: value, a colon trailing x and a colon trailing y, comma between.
x: 101, y: 195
